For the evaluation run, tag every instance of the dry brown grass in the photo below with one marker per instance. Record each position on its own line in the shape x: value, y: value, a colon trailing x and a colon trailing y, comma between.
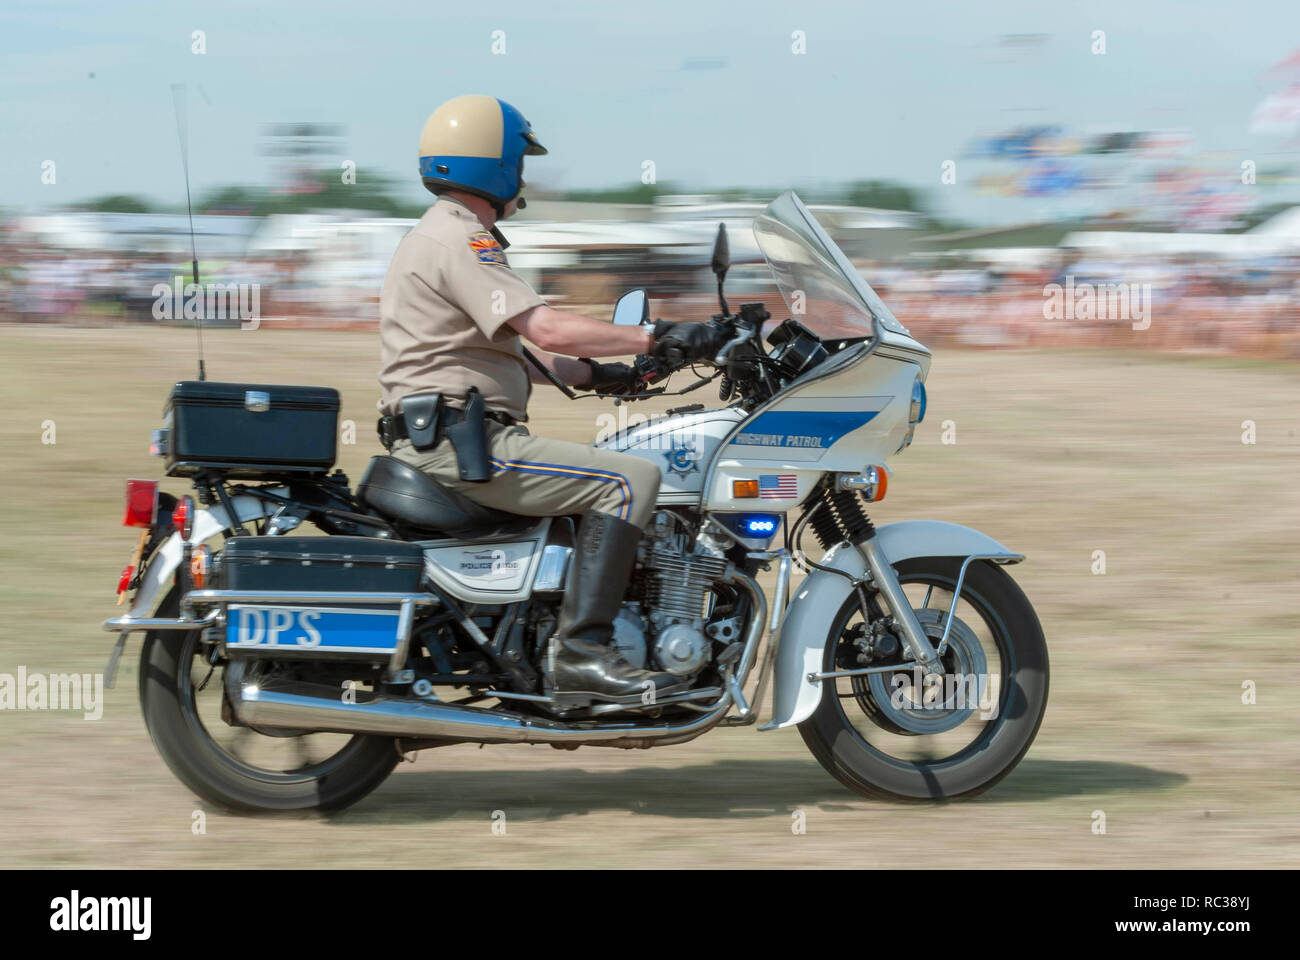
x: 1057, y: 455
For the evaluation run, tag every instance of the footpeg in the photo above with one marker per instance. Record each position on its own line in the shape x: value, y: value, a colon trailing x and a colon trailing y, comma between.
x: 731, y: 654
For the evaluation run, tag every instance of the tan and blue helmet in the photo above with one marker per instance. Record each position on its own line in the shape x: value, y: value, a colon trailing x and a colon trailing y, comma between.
x: 477, y: 144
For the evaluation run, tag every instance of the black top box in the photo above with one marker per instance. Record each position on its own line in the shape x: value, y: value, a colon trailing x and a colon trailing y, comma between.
x: 250, y: 430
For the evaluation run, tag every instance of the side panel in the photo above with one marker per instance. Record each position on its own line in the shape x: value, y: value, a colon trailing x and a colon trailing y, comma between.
x: 496, y: 571
x: 812, y: 611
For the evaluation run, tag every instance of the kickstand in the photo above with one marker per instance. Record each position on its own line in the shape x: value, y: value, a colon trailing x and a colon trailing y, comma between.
x: 403, y: 756
x: 110, y: 672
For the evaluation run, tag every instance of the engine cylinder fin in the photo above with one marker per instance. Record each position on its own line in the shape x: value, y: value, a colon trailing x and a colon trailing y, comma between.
x: 679, y: 585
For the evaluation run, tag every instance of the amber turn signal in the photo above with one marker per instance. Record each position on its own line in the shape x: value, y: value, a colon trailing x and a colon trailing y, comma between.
x: 877, y: 490
x: 200, y: 565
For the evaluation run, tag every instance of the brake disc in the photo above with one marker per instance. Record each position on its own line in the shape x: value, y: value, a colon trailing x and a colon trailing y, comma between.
x: 932, y: 704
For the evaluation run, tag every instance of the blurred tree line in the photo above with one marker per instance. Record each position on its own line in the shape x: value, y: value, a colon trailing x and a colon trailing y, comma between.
x: 386, y: 197
x: 373, y: 195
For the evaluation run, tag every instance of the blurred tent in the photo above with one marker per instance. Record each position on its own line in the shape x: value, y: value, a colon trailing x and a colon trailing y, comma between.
x: 160, y: 233
x: 1277, y: 236
x: 1278, y: 114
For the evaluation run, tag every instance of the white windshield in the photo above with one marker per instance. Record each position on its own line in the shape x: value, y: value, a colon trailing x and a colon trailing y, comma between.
x: 820, y: 285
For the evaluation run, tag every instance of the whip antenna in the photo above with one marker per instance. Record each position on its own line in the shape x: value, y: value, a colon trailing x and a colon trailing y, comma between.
x: 182, y: 134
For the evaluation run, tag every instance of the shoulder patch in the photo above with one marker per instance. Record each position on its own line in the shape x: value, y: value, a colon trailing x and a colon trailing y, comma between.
x: 484, y: 246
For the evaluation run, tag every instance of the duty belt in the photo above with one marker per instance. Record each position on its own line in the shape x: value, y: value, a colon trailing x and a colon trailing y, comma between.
x: 391, y: 429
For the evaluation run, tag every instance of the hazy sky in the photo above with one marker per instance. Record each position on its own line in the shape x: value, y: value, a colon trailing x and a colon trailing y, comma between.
x: 711, y: 92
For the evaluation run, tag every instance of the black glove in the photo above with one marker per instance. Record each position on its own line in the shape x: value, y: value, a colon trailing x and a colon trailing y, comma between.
x: 611, y: 379
x: 677, y: 343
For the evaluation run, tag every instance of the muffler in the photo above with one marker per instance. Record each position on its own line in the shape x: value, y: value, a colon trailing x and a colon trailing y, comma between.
x: 318, y: 708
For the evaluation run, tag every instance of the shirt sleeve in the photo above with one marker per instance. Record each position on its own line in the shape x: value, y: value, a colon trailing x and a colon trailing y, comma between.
x: 480, y: 282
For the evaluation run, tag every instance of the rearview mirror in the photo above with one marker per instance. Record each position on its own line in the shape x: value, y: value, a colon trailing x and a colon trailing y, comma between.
x: 721, y: 253
x: 632, y: 309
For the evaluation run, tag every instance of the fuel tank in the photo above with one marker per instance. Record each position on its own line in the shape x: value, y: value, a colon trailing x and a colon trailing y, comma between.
x: 681, y: 445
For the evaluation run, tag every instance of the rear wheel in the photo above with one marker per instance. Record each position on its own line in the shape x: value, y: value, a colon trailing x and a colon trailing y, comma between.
x: 899, y: 736
x: 236, y: 767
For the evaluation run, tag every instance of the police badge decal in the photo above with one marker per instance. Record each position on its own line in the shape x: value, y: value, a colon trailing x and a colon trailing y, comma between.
x: 682, y: 458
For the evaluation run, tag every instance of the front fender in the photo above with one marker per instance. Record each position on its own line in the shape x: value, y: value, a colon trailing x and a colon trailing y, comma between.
x: 812, y: 611
x: 158, y: 576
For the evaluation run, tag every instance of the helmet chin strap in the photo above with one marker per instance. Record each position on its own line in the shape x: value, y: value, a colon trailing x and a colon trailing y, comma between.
x: 521, y: 203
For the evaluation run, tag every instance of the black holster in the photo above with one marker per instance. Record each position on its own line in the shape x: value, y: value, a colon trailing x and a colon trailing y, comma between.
x: 469, y: 440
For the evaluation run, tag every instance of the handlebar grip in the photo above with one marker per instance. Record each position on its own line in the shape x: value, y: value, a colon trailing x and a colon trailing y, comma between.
x: 649, y: 369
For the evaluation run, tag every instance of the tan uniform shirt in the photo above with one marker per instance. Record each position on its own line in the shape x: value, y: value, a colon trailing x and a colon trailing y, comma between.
x: 443, y: 315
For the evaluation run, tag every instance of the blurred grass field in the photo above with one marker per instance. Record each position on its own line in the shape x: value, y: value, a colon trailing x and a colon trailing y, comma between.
x: 1056, y: 454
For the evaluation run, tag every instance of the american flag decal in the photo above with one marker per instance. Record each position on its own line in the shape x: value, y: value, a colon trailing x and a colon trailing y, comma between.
x: 777, y: 486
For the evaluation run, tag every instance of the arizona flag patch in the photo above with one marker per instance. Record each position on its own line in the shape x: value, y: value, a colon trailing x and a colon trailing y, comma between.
x: 486, y: 248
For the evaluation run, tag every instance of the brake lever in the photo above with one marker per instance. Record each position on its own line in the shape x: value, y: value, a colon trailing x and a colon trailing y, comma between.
x: 747, y: 331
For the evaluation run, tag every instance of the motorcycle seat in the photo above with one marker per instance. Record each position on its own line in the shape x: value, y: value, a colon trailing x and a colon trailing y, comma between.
x: 398, y: 491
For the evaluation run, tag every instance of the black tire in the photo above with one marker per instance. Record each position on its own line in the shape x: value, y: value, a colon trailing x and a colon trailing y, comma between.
x: 847, y: 755
x: 178, y: 734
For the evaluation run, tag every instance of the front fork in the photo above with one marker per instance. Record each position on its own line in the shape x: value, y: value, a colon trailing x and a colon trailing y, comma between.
x: 885, y: 580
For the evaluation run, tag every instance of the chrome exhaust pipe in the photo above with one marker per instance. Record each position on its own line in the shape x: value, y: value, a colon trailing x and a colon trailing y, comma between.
x: 318, y: 708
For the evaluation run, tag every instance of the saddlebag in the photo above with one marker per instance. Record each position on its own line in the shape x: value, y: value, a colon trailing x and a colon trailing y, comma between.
x: 296, y: 624
x: 250, y: 430
x: 352, y: 564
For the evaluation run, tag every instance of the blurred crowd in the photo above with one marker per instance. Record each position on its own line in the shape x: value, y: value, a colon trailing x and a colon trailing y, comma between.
x: 1187, y: 303
x: 1248, y: 307
x: 44, y: 284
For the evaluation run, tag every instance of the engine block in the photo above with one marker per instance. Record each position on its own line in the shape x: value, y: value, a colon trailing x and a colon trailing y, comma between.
x: 678, y: 584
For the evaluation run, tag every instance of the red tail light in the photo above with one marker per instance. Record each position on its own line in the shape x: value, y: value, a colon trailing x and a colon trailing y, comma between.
x: 124, y: 581
x: 183, y: 517
x: 141, y: 503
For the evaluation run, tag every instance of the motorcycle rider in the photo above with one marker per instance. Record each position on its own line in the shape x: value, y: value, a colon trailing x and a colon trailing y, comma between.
x: 452, y: 313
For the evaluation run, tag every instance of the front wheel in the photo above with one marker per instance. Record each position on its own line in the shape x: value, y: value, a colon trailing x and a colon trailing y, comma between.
x: 236, y: 767
x: 900, y: 735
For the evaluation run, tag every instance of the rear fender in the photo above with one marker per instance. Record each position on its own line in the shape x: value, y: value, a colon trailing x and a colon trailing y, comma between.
x: 812, y: 611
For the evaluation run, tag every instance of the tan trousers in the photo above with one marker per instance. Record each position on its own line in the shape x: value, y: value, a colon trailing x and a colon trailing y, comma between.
x: 537, y: 477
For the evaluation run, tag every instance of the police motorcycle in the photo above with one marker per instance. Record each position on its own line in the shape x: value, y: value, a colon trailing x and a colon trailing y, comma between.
x: 285, y: 670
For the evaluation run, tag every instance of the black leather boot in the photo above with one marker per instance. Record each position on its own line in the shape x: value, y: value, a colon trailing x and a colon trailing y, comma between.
x: 582, y: 664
